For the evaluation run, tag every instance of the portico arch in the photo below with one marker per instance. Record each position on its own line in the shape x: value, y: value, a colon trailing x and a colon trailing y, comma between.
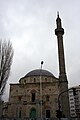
x: 32, y: 113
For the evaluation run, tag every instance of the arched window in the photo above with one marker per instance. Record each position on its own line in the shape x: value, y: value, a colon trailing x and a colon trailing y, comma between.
x: 34, y: 80
x: 19, y: 98
x: 25, y: 81
x: 47, y: 98
x: 33, y: 97
x: 45, y: 79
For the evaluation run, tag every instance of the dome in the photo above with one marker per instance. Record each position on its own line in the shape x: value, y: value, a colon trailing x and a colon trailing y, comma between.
x: 39, y: 72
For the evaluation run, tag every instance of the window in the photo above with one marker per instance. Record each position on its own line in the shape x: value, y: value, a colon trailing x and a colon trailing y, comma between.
x: 45, y: 79
x: 71, y: 99
x: 19, y: 98
x: 24, y: 81
x: 34, y: 80
x: 20, y: 114
x: 72, y: 110
x: 16, y: 90
x: 71, y: 102
x: 72, y: 106
x: 50, y: 89
x: 70, y: 95
x: 47, y: 113
x: 47, y: 98
x: 33, y: 97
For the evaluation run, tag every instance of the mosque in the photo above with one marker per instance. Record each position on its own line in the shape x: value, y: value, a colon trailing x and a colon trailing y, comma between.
x: 37, y: 95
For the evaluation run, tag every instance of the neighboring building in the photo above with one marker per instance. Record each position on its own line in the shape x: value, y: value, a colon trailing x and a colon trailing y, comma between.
x: 74, y: 101
x: 36, y: 94
x: 1, y: 107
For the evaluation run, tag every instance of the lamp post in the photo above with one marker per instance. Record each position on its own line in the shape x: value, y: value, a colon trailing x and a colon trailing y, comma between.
x: 41, y: 90
x: 59, y: 106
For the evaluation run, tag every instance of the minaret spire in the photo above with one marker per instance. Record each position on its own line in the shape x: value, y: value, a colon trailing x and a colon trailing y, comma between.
x: 59, y: 31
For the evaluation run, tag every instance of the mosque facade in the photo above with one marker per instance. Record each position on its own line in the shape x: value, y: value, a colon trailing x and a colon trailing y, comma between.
x: 38, y: 93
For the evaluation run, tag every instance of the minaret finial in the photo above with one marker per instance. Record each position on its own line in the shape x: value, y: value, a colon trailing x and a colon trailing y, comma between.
x: 57, y: 13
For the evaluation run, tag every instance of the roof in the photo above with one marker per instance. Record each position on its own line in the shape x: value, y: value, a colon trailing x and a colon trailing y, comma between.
x: 38, y: 72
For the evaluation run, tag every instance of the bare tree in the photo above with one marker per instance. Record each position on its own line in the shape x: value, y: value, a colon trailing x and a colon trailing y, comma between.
x: 6, y: 55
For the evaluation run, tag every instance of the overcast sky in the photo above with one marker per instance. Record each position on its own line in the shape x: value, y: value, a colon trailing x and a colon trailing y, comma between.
x: 30, y: 25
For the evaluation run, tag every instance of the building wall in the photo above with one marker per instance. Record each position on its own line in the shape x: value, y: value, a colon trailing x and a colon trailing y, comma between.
x: 74, y: 102
x: 20, y: 98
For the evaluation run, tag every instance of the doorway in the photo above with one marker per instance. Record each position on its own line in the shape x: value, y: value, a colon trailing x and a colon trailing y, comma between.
x: 47, y: 113
x: 33, y: 113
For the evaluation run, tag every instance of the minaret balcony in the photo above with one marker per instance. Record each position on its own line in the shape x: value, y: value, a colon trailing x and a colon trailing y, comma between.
x: 59, y: 31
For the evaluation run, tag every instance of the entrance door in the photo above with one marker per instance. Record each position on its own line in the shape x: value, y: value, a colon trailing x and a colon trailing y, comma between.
x: 33, y: 113
x: 47, y: 113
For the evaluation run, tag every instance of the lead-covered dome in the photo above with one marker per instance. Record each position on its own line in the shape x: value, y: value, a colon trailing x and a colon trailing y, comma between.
x: 39, y: 72
x: 32, y: 76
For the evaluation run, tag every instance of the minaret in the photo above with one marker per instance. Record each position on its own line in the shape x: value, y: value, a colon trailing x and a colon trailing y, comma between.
x: 59, y: 31
x: 63, y: 83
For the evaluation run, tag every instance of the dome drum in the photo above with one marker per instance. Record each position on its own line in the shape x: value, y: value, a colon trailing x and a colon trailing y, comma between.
x: 34, y: 77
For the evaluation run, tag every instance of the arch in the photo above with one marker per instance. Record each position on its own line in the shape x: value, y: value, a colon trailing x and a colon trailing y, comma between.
x: 33, y: 91
x: 32, y: 113
x: 47, y: 111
